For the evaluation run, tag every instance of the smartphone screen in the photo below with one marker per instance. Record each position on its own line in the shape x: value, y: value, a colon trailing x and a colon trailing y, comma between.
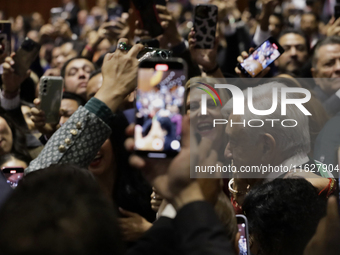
x: 13, y: 175
x: 243, y: 242
x: 262, y: 57
x: 5, y: 37
x: 159, y: 107
x: 115, y: 12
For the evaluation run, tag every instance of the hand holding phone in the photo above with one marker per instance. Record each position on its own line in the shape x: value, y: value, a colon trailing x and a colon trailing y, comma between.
x: 159, y: 105
x: 260, y: 58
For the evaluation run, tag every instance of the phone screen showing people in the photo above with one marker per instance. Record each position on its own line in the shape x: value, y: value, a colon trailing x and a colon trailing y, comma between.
x: 13, y: 175
x: 159, y: 103
x: 261, y: 58
x: 242, y: 242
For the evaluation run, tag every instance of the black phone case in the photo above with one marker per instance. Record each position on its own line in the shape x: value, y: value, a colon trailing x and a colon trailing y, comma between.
x: 148, y: 17
x: 205, y: 21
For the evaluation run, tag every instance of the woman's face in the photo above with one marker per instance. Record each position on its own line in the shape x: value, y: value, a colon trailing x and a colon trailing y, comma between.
x: 104, y: 159
x: 6, y: 137
x: 203, y: 124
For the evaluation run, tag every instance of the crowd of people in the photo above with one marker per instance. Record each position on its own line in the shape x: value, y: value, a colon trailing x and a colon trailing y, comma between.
x: 84, y: 189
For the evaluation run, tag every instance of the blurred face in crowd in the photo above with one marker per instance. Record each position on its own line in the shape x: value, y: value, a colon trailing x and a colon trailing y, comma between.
x: 328, y: 66
x: 67, y: 51
x: 58, y: 58
x: 37, y: 20
x: 77, y: 73
x: 309, y: 24
x: 68, y: 106
x: 103, y: 167
x: 81, y: 17
x: 203, y: 124
x: 295, y: 55
x: 26, y: 111
x: 93, y: 85
x: 6, y: 137
x: 275, y: 26
x: 241, y: 148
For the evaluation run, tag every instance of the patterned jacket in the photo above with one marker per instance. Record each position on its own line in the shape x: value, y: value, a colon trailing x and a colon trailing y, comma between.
x: 79, y: 139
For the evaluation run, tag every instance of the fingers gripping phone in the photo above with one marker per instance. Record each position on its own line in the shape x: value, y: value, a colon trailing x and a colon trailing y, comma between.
x: 205, y: 20
x: 159, y: 107
x: 25, y: 56
x: 243, y: 242
x: 50, y: 94
x: 13, y: 175
x: 261, y: 58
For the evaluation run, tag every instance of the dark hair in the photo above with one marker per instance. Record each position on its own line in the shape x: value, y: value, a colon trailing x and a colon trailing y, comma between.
x: 283, y: 215
x: 297, y: 32
x: 78, y: 99
x: 18, y: 135
x: 317, y: 18
x: 59, y: 210
x: 9, y: 156
x: 279, y: 17
x: 331, y: 40
x: 131, y: 191
x: 63, y: 69
x: 95, y: 72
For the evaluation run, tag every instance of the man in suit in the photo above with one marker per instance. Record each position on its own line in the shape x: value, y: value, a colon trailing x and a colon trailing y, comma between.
x: 326, y: 71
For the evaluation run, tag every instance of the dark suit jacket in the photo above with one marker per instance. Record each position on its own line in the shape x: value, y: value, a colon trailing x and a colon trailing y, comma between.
x: 331, y: 103
x: 196, y: 230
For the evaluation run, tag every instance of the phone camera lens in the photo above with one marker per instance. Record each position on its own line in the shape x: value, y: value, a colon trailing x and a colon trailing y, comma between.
x: 44, y: 90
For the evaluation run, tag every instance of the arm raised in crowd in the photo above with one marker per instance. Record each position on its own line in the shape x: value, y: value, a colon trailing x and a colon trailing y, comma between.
x: 196, y: 227
x: 80, y: 138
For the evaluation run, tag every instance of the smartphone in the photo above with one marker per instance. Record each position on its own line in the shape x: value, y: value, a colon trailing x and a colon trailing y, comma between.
x: 50, y: 94
x: 337, y: 178
x: 5, y: 37
x: 337, y: 11
x: 159, y: 107
x: 25, y: 56
x: 114, y: 13
x: 56, y: 13
x: 263, y: 56
x: 243, y: 242
x: 148, y: 17
x: 13, y: 175
x: 205, y: 20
